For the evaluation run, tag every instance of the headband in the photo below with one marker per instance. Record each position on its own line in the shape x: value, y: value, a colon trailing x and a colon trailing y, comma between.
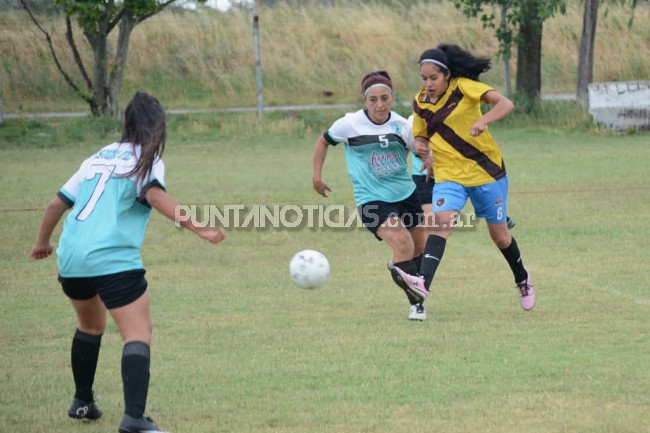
x: 377, y: 85
x: 374, y: 79
x: 435, y: 62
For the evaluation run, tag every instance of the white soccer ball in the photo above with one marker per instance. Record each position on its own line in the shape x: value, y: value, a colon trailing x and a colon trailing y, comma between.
x: 309, y: 269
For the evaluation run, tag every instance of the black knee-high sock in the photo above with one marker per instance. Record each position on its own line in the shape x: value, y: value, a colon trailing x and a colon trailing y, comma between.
x: 135, y: 377
x: 407, y: 266
x: 513, y: 256
x: 410, y: 267
x: 83, y: 356
x: 433, y: 251
x: 418, y: 262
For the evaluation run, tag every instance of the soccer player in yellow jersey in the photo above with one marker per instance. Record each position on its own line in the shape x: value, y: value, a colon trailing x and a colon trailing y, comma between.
x: 467, y: 162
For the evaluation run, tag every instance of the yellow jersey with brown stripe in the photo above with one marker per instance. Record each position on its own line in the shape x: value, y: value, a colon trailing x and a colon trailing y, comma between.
x: 458, y: 157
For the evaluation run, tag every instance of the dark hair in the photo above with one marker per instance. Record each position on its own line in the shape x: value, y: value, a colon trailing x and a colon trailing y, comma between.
x: 376, y: 77
x: 144, y: 124
x: 459, y: 62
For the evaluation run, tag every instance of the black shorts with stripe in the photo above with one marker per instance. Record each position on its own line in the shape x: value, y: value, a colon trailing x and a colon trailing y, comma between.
x: 115, y: 290
x: 375, y: 213
x: 424, y: 188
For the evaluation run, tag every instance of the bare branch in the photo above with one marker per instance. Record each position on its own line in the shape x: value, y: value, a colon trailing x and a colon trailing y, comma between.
x: 66, y: 77
x: 75, y: 53
x: 162, y: 6
x: 115, y: 21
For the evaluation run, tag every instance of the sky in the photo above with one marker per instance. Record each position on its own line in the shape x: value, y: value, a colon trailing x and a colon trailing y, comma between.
x: 222, y: 5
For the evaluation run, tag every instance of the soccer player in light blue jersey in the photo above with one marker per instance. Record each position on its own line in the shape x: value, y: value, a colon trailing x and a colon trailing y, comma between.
x: 375, y: 141
x: 99, y: 263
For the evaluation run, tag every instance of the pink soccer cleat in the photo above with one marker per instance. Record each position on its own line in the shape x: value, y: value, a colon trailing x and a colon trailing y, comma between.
x: 413, y: 284
x: 526, y: 294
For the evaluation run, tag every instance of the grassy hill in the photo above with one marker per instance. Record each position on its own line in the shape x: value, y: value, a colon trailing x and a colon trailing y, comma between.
x: 205, y: 59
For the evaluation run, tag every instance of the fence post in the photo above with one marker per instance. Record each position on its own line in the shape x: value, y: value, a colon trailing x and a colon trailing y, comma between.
x: 258, y: 62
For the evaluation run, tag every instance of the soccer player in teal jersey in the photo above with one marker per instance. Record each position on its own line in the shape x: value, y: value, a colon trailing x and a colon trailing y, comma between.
x: 99, y: 263
x: 376, y: 141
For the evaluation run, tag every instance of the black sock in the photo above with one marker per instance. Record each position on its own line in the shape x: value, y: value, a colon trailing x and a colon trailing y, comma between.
x: 418, y: 261
x: 513, y: 256
x: 409, y: 267
x: 433, y: 251
x: 135, y: 377
x: 83, y: 356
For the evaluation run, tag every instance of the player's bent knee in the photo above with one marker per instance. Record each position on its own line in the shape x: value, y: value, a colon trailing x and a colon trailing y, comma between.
x: 95, y: 330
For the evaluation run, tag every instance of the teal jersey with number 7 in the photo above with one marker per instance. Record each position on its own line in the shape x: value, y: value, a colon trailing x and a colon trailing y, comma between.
x: 104, y: 231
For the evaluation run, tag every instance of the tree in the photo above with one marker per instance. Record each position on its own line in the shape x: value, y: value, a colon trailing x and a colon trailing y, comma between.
x: 586, y: 52
x: 523, y: 26
x: 529, y: 50
x: 97, y: 19
x: 1, y: 112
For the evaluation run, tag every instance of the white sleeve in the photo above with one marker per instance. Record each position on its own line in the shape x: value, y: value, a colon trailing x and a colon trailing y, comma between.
x: 408, y: 135
x: 70, y: 189
x: 340, y: 129
x: 156, y: 177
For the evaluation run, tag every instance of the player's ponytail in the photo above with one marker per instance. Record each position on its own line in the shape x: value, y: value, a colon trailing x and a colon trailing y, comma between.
x: 462, y: 63
x: 145, y: 124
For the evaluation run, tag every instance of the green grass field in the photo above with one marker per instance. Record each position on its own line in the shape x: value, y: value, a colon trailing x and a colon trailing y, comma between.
x: 237, y: 348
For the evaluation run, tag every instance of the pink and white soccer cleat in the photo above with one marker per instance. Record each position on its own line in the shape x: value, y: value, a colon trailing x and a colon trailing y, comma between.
x: 526, y: 294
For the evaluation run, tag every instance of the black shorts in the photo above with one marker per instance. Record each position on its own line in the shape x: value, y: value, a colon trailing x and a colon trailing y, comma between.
x: 375, y: 213
x: 424, y: 188
x: 115, y: 290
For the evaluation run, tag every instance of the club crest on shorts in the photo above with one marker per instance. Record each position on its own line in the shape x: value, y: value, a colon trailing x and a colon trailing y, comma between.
x: 440, y: 202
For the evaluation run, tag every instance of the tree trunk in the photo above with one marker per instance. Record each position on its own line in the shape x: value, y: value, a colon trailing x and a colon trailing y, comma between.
x: 99, y: 45
x: 116, y: 75
x: 98, y: 40
x: 529, y: 52
x: 586, y: 53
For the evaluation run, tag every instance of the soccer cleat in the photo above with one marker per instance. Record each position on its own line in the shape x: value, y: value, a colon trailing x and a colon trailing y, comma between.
x: 417, y: 312
x: 412, y: 297
x: 526, y: 294
x: 138, y: 425
x: 511, y: 223
x: 79, y: 409
x: 401, y: 283
x: 412, y: 284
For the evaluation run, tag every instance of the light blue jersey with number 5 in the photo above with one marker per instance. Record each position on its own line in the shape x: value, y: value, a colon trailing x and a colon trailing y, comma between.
x: 104, y: 231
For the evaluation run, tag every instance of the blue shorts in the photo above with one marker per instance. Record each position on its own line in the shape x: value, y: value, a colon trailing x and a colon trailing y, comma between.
x: 489, y: 201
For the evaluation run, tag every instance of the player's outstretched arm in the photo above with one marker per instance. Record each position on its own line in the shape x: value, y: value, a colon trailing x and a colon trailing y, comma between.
x: 320, y: 152
x: 53, y: 212
x: 163, y: 203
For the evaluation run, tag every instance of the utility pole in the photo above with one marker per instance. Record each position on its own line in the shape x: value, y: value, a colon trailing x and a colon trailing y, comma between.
x: 506, y: 57
x: 258, y: 62
x: 1, y: 114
